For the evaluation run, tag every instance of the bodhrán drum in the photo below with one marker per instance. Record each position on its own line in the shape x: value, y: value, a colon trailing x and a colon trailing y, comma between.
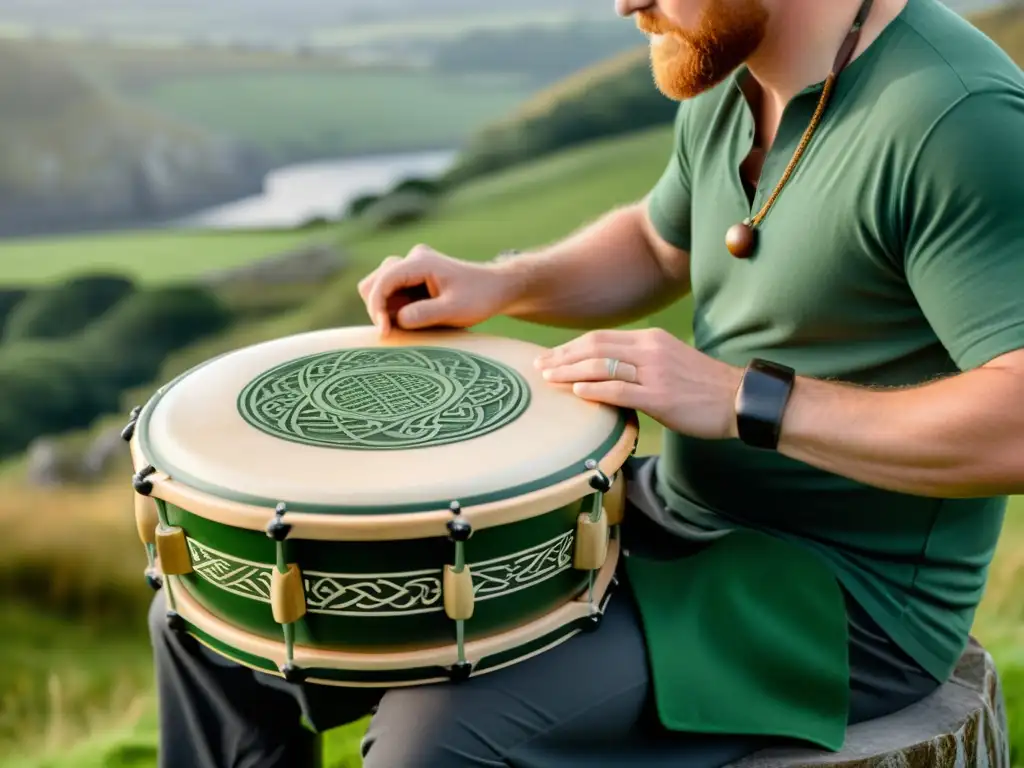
x: 351, y: 510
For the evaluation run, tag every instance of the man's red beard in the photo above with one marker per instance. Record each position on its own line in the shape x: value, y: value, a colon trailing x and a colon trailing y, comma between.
x: 686, y: 63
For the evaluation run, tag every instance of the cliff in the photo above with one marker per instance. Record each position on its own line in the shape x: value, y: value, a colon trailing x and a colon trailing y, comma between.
x: 73, y: 155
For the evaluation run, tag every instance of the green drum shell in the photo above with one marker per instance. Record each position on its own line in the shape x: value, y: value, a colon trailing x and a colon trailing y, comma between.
x: 390, y: 594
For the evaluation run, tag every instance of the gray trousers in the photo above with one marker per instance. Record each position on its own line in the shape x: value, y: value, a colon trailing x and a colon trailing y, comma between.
x: 587, y: 702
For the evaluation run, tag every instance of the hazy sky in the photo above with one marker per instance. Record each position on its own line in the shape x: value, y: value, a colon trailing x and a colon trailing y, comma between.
x: 288, y: 20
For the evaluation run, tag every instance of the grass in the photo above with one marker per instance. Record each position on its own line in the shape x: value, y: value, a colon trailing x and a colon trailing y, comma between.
x: 352, y: 112
x: 150, y: 257
x: 88, y: 702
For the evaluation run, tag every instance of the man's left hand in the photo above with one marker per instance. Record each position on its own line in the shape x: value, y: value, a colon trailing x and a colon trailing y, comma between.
x: 653, y: 372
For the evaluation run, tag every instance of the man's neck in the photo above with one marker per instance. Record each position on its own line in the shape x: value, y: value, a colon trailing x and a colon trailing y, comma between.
x: 803, y: 39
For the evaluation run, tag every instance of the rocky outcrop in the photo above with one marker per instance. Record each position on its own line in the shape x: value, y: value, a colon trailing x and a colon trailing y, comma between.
x: 45, y: 466
x: 161, y: 178
x: 77, y: 157
x: 52, y: 462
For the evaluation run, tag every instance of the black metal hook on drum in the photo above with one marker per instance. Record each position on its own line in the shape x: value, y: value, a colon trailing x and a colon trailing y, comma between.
x: 141, y: 485
x: 459, y: 528
x: 599, y: 481
x: 460, y: 671
x: 277, y: 529
x: 129, y: 431
x: 292, y: 674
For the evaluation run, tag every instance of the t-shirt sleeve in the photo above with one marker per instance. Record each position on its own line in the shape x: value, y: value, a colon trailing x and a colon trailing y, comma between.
x: 963, y: 227
x: 669, y: 201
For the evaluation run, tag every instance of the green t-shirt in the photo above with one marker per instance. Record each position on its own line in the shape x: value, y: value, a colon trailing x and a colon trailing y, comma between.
x: 894, y: 255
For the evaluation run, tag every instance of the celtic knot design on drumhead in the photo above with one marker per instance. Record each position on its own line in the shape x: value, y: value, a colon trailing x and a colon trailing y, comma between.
x: 385, y: 399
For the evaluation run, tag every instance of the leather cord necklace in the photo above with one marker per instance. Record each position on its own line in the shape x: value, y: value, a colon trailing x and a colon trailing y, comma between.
x: 741, y: 239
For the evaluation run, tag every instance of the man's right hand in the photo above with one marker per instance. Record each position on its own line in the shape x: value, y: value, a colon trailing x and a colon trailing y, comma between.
x: 428, y: 289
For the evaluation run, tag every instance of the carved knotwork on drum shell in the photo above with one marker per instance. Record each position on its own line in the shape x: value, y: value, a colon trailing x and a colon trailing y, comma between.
x: 383, y: 594
x: 560, y: 624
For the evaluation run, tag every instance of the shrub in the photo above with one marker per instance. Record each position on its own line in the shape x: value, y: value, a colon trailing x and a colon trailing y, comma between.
x: 50, y: 386
x: 65, y: 309
x: 128, y: 344
x: 1011, y: 673
x: 428, y: 187
x: 409, y: 195
x: 47, y: 387
x: 359, y: 205
x: 9, y: 299
x: 397, y: 209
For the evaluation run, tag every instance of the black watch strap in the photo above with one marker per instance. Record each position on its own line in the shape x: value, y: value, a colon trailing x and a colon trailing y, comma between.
x: 761, y: 403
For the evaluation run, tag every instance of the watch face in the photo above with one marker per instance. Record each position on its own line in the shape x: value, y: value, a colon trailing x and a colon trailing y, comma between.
x: 761, y: 403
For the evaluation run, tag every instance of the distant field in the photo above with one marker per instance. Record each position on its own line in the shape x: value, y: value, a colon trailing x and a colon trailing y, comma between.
x: 295, y: 105
x: 133, y: 67
x: 149, y: 257
x: 332, y: 23
x: 349, y: 111
x: 442, y: 27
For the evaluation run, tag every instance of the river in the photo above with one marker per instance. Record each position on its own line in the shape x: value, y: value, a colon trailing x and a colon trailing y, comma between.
x: 295, y: 194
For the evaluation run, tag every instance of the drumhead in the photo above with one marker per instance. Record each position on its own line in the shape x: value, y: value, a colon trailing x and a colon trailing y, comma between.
x: 341, y: 421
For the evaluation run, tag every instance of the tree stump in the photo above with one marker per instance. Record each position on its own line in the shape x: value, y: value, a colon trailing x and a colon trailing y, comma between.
x: 961, y: 725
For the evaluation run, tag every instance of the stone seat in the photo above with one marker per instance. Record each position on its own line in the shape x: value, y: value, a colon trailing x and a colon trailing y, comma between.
x: 961, y: 725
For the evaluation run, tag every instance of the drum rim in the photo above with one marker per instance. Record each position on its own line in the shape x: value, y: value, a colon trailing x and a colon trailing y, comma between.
x: 209, y: 488
x: 226, y: 505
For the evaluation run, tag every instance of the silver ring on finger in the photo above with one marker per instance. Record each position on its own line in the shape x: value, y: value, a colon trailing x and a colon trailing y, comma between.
x: 612, y: 365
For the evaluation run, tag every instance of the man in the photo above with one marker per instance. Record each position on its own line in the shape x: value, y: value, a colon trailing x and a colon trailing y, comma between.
x: 810, y: 547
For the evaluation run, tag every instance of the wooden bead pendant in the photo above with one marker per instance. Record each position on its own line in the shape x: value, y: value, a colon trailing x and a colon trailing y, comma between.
x: 740, y: 240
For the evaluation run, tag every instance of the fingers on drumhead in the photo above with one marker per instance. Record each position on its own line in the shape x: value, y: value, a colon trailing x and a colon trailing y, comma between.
x: 424, y: 313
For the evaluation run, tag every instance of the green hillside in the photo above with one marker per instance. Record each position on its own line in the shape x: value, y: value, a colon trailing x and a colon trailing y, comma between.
x: 612, y: 98
x: 298, y: 114
x: 618, y: 96
x: 87, y: 702
x: 313, y: 103
x: 151, y: 258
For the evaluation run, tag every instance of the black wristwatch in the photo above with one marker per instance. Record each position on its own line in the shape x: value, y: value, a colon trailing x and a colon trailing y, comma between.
x: 761, y: 402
